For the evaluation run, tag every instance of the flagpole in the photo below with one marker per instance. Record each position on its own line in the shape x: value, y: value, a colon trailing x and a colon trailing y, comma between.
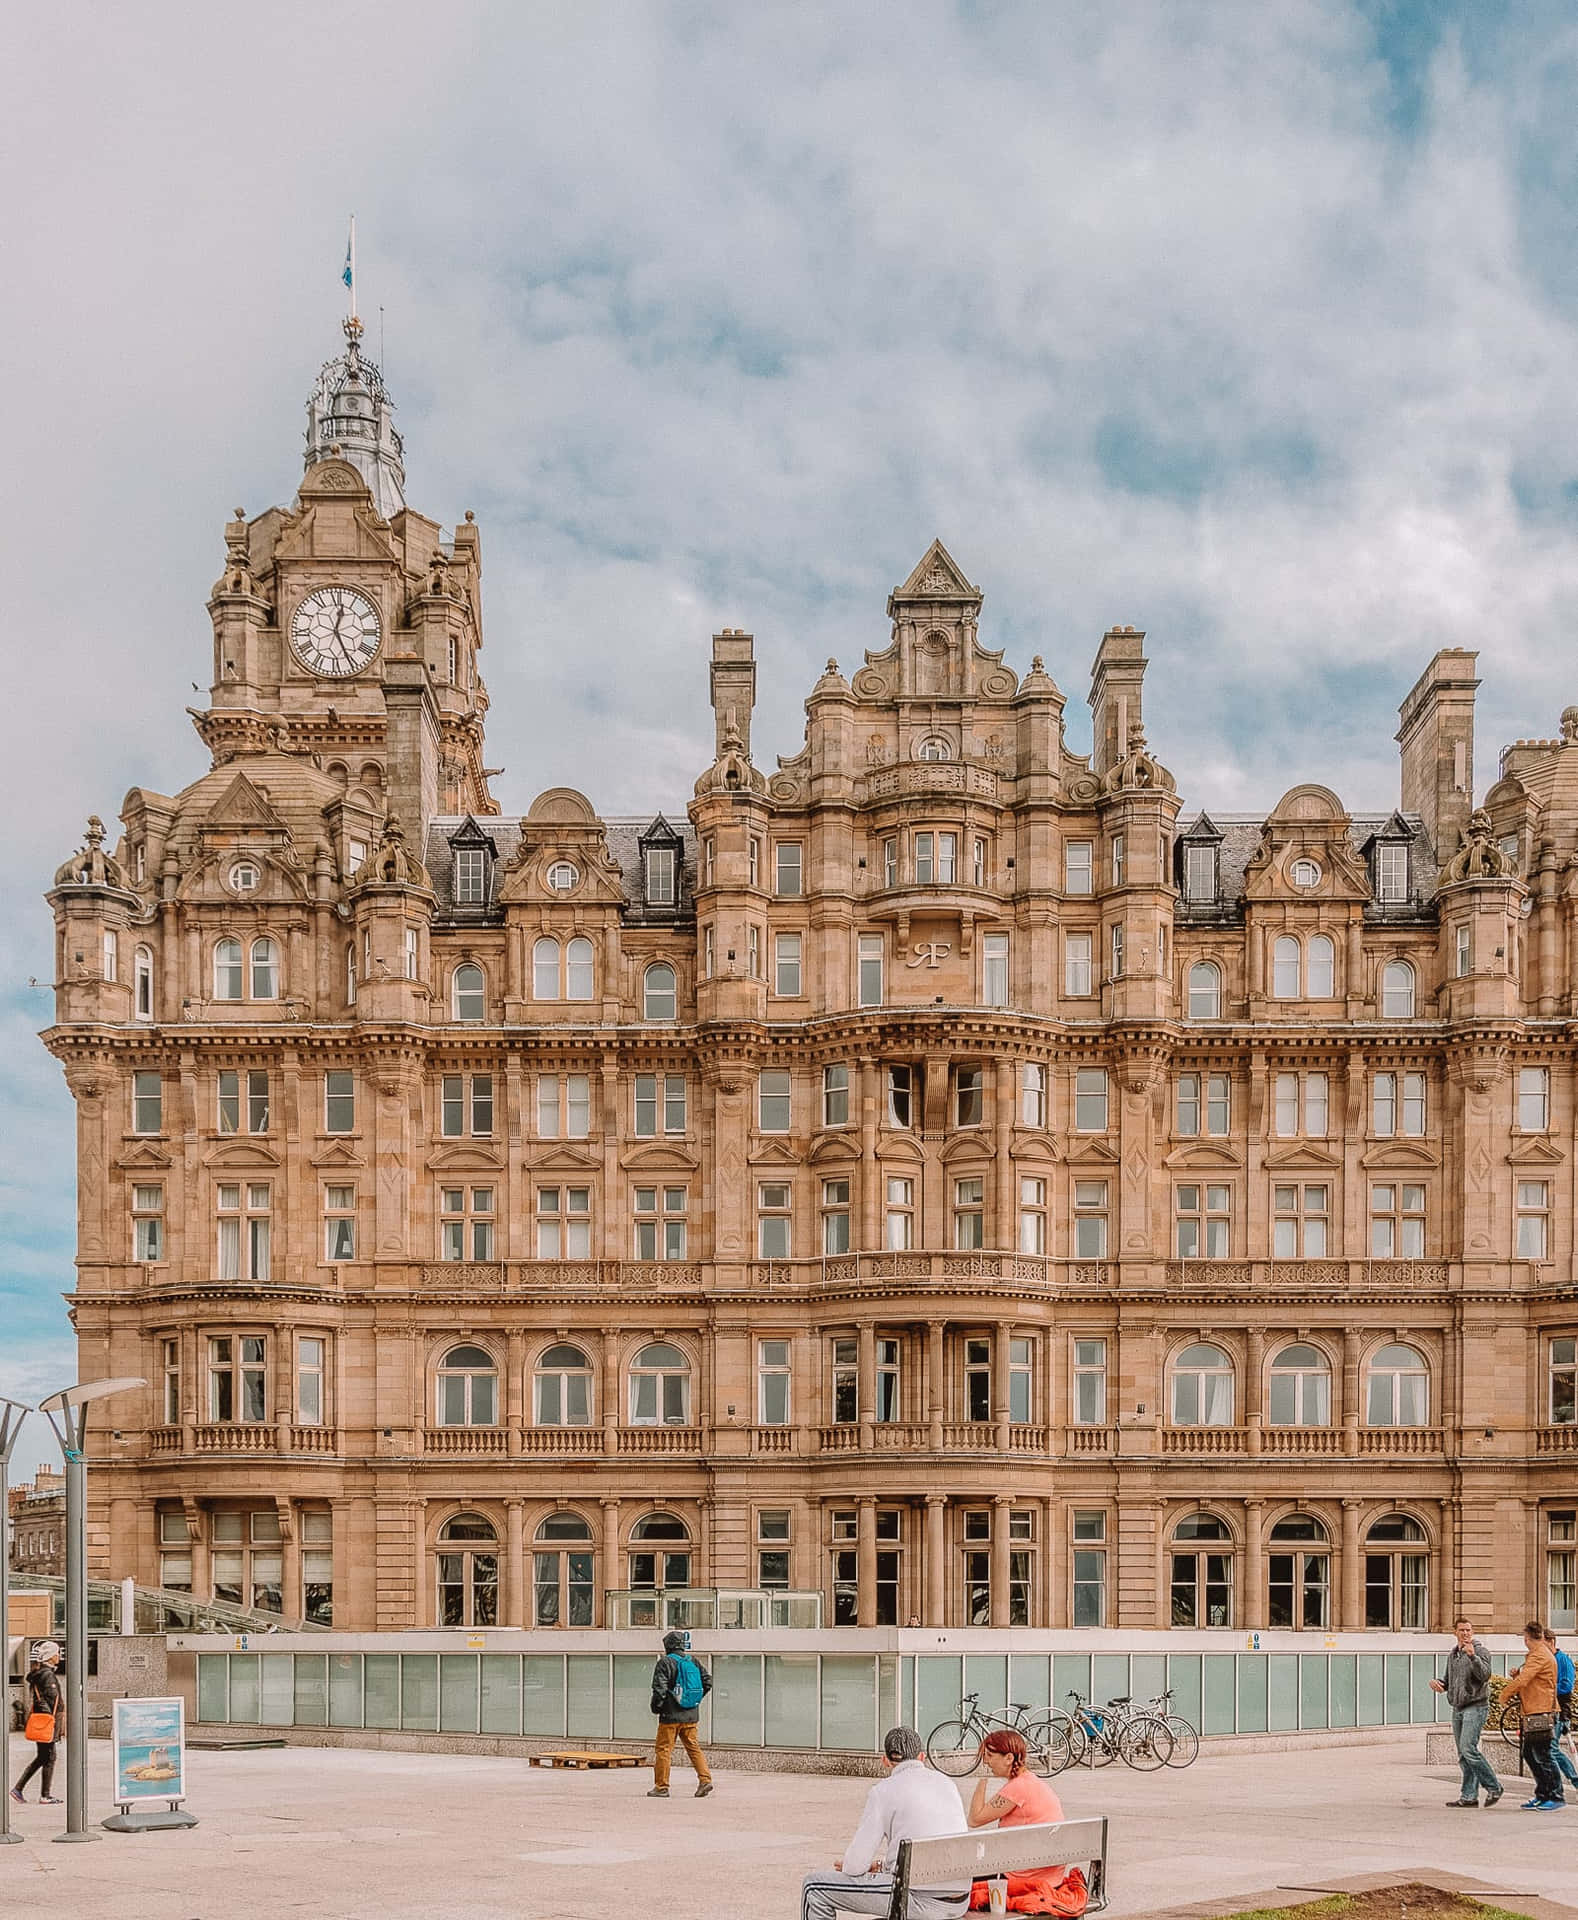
x: 353, y: 266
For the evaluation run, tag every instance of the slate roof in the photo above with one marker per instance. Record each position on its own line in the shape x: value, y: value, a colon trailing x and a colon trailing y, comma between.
x: 624, y: 843
x: 1241, y: 834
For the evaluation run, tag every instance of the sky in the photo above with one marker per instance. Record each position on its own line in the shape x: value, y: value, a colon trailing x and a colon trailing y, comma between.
x: 1251, y: 325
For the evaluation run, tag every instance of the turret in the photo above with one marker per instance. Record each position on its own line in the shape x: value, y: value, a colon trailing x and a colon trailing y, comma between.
x: 94, y: 906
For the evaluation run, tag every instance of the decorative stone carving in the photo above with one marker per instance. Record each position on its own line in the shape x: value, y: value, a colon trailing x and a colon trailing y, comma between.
x: 1478, y: 857
x: 90, y: 865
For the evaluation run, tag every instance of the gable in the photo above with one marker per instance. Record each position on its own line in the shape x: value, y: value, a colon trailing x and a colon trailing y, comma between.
x: 936, y: 576
x: 145, y: 1154
x: 1092, y: 1149
x: 1302, y: 1157
x: 562, y: 1157
x: 336, y: 1156
x: 771, y: 1152
x: 241, y: 805
x: 1536, y: 1152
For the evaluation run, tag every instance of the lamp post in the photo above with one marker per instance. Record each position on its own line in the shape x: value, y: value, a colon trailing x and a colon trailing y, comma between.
x: 12, y: 1414
x: 67, y: 1414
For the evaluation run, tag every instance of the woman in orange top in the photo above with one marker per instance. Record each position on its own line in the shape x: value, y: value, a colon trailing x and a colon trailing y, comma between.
x: 1012, y: 1796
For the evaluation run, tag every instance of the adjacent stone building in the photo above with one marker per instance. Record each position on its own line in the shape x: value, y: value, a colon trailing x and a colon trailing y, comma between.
x: 38, y: 1524
x: 933, y: 1167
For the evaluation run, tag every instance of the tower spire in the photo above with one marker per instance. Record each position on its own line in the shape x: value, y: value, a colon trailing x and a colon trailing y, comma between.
x: 350, y: 414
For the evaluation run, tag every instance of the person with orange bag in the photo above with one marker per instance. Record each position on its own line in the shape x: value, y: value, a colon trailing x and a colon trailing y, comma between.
x: 1011, y: 1795
x: 46, y: 1720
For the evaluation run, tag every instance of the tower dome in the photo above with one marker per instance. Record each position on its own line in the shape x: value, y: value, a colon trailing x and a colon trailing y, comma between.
x: 350, y: 417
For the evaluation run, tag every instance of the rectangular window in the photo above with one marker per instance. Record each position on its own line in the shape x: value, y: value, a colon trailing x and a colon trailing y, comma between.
x: 846, y: 1392
x: 244, y: 1222
x: 1299, y: 1217
x: 243, y: 1097
x: 309, y: 1381
x: 661, y: 1224
x: 1090, y: 1100
x: 674, y: 1108
x: 1464, y: 952
x: 466, y: 1218
x: 835, y: 1096
x: 1188, y: 1106
x: 1561, y: 1568
x: 900, y: 1235
x: 1117, y: 859
x: 1115, y: 951
x: 1202, y: 1220
x: 871, y: 970
x: 787, y: 875
x: 1076, y: 965
x: 773, y: 1100
x: 470, y: 876
x: 1413, y: 1112
x: 564, y: 1224
x: 835, y: 1216
x: 1391, y: 872
x: 339, y: 1223
x: 339, y: 1103
x: 1534, y: 1099
x: 994, y: 969
x: 170, y: 1358
x: 969, y: 1096
x: 1534, y: 1202
x: 1383, y: 1105
x: 410, y: 953
x: 890, y: 863
x: 773, y: 1219
x: 969, y: 1217
x: 147, y: 1103
x: 978, y: 863
x: 548, y: 1106
x: 660, y: 876
x: 1564, y: 1381
x: 1077, y: 866
x: 1033, y: 1094
x: 1200, y: 874
x: 977, y: 1380
x: 708, y: 860
x: 947, y: 859
x: 708, y: 953
x: 887, y: 1405
x: 1032, y: 1215
x: 786, y: 965
x: 148, y: 1223
x: 1397, y: 1222
x: 753, y: 952
x: 1315, y: 1105
x: 237, y: 1380
x: 925, y: 859
x: 1021, y: 1388
x: 772, y: 1383
x: 455, y: 1108
x: 1090, y: 1219
x: 753, y: 855
x: 1204, y: 1104
x: 1090, y: 1383
x: 903, y: 1095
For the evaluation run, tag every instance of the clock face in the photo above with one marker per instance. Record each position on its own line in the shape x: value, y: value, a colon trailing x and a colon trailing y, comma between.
x: 335, y: 631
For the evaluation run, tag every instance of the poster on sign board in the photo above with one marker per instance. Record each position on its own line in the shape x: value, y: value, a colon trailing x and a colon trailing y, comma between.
x: 149, y: 1750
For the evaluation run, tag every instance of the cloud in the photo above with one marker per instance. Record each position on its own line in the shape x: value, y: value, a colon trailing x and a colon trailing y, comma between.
x: 1249, y: 325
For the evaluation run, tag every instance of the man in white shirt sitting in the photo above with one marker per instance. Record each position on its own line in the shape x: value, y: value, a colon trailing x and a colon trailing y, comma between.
x: 910, y: 1802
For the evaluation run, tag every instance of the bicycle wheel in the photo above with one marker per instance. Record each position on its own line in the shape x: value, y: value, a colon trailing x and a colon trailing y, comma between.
x: 1144, y: 1743
x: 954, y: 1748
x: 1186, y: 1742
x: 1051, y: 1744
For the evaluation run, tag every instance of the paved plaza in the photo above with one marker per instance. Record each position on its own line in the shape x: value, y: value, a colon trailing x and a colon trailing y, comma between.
x: 341, y: 1835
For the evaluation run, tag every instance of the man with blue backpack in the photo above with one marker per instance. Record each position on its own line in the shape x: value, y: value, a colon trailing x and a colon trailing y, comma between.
x: 679, y: 1685
x: 1565, y: 1674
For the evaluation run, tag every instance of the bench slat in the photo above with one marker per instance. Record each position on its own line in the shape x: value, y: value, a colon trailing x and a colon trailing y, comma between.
x: 991, y: 1850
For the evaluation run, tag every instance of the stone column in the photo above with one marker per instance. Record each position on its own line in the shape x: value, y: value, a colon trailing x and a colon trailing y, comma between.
x: 515, y: 1391
x: 1254, y: 1386
x: 1254, y: 1614
x: 1350, y: 1391
x: 866, y: 1384
x: 610, y: 1577
x: 1350, y: 1619
x: 866, y: 1563
x: 869, y: 1092
x: 936, y: 1384
x: 609, y: 1391
x: 290, y: 1558
x: 1054, y: 1606
x: 936, y: 1559
x: 1443, y: 1599
x: 515, y: 1604
x: 1001, y: 1334
x: 1001, y: 1504
x: 197, y: 1537
x: 1005, y: 1213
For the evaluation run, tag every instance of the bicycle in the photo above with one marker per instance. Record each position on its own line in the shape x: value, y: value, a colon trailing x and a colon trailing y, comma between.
x: 954, y: 1746
x: 1121, y: 1731
x: 1185, y: 1738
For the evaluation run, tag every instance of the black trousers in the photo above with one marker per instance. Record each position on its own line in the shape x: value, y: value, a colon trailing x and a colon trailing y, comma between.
x: 43, y: 1764
x: 1537, y: 1751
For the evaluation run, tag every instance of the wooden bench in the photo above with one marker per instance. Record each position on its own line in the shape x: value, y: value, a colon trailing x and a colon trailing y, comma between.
x: 985, y: 1854
x: 582, y: 1760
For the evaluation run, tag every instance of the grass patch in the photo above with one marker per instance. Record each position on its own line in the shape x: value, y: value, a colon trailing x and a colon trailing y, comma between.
x: 1386, y: 1903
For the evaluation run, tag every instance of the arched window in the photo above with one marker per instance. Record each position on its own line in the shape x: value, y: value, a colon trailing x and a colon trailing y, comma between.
x: 1397, y: 991
x: 545, y: 968
x: 1397, y: 1575
x: 1300, y: 1388
x: 1285, y: 968
x: 468, y: 1389
x: 1320, y: 963
x: 564, y: 1387
x: 227, y: 969
x: 469, y: 992
x: 578, y: 970
x: 1202, y: 1572
x: 660, y: 1387
x: 658, y: 997
x: 1398, y: 1390
x: 1205, y: 991
x: 468, y: 1572
x: 142, y: 983
x: 1298, y: 1570
x: 265, y: 970
x: 112, y: 950
x: 1202, y: 1388
x: 934, y: 748
x: 663, y: 1557
x: 562, y: 1570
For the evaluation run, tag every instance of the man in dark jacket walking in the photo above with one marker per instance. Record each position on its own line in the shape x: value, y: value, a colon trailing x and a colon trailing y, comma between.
x: 679, y: 1685
x: 1467, y: 1687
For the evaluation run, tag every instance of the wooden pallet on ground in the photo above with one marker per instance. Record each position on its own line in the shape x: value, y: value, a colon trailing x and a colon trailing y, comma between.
x: 581, y: 1760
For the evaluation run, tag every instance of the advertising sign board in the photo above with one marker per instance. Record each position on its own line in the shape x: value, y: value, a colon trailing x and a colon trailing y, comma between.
x: 149, y: 1750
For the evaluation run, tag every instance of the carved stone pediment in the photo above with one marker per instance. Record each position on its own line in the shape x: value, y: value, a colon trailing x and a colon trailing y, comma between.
x: 660, y: 1156
x: 1403, y: 1155
x: 1205, y: 1156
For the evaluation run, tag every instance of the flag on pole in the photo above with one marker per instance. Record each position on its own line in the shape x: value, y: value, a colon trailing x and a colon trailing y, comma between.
x: 349, y: 274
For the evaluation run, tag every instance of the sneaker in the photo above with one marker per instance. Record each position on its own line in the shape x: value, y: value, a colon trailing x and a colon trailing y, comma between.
x: 1463, y: 1803
x: 1548, y: 1806
x: 16, y: 1795
x: 50, y: 1800
x: 1529, y: 1806
x: 1492, y: 1798
x: 661, y: 1793
x: 704, y: 1789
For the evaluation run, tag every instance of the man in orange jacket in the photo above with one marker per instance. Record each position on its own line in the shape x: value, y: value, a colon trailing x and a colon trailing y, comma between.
x: 1533, y: 1686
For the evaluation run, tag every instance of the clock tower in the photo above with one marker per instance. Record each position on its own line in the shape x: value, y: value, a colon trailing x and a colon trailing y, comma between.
x: 347, y: 628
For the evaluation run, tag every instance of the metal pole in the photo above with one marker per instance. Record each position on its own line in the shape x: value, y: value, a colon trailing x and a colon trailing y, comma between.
x: 12, y: 1414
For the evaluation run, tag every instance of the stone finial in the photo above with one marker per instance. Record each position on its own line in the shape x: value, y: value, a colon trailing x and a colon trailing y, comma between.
x: 1478, y: 857
x: 394, y: 864
x: 1569, y: 726
x: 90, y: 865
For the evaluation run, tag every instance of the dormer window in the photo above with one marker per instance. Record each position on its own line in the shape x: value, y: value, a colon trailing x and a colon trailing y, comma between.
x: 660, y: 876
x: 471, y: 877
x: 355, y: 857
x: 1200, y: 874
x: 1391, y: 872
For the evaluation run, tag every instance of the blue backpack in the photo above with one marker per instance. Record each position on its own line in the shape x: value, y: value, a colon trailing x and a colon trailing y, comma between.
x: 1564, y: 1671
x: 687, y: 1689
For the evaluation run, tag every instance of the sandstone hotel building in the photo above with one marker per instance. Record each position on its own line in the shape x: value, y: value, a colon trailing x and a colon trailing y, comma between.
x: 930, y: 1167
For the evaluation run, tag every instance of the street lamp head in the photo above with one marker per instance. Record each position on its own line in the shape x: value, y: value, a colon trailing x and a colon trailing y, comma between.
x: 87, y: 1390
